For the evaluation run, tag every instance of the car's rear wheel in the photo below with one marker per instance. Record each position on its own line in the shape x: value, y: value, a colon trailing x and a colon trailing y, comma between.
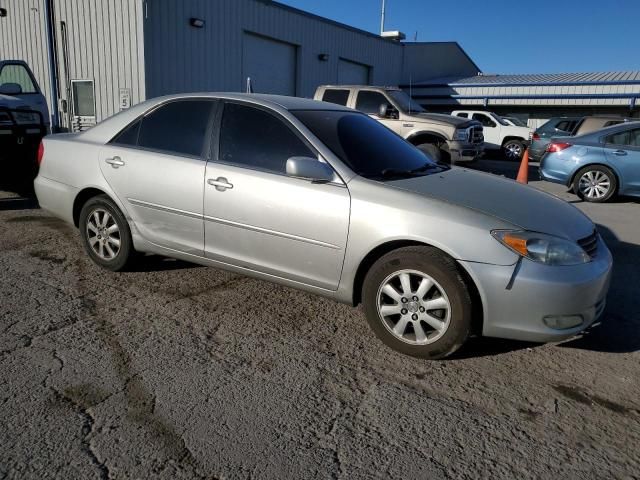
x: 595, y: 183
x: 417, y: 303
x: 513, y: 150
x: 105, y: 233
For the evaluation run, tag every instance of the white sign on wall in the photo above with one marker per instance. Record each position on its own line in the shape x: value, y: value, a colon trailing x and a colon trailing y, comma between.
x: 125, y: 98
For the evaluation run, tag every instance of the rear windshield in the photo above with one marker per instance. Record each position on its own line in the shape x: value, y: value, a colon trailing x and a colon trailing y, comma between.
x: 369, y: 148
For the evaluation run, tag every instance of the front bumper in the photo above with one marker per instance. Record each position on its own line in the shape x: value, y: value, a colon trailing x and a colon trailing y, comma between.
x: 465, y: 152
x: 517, y: 298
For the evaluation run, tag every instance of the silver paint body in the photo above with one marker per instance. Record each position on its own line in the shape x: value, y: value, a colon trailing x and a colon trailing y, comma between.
x: 315, y: 236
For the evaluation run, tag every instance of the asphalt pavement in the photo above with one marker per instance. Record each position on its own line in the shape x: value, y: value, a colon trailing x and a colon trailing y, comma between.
x: 179, y: 371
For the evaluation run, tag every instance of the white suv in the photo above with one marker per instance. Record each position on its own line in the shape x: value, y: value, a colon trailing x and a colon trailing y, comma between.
x: 499, y: 134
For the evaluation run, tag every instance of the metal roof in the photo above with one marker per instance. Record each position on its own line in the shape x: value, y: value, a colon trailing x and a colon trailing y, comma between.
x: 535, y: 80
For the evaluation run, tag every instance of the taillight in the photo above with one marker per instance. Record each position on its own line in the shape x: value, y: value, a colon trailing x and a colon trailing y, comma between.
x: 557, y: 147
x: 535, y: 136
x: 40, y: 153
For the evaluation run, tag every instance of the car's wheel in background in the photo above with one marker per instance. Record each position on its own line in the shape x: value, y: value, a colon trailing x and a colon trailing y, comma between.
x: 435, y: 152
x: 105, y: 233
x: 513, y: 150
x: 595, y: 183
x: 417, y: 303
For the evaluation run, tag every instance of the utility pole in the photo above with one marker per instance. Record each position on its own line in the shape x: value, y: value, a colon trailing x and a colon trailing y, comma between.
x: 382, y: 18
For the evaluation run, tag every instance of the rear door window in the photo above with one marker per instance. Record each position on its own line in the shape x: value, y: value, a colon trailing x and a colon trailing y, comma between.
x: 463, y: 115
x: 629, y: 138
x: 339, y: 97
x: 177, y: 127
x: 369, y: 102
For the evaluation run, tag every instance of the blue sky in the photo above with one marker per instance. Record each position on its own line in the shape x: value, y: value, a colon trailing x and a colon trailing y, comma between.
x: 509, y: 36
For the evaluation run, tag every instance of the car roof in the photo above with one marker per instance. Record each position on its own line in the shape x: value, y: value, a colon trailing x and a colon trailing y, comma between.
x: 109, y: 127
x: 364, y: 87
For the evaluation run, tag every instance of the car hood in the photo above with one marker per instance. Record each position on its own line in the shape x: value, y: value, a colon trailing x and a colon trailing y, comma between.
x: 523, y: 206
x: 441, y: 119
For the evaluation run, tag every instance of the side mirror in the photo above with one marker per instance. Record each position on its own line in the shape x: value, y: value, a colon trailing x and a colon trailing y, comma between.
x: 383, y: 110
x: 10, y: 89
x: 310, y: 169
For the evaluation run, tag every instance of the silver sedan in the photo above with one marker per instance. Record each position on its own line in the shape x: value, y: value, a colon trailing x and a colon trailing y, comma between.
x: 318, y: 197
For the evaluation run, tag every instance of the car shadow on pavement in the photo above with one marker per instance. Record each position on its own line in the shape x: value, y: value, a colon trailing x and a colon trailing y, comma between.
x: 486, y: 347
x: 618, y: 331
x: 156, y: 263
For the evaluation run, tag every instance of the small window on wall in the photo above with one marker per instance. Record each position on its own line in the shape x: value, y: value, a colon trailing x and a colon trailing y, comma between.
x: 339, y: 97
x: 84, y: 103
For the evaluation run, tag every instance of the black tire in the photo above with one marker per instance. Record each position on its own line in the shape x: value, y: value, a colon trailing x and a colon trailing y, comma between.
x: 513, y: 150
x: 98, y: 205
x: 435, y: 152
x: 597, y: 172
x: 444, y: 272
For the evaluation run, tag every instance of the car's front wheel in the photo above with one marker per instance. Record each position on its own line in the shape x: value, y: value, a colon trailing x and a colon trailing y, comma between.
x: 105, y: 233
x: 513, y: 150
x: 436, y: 153
x: 417, y: 303
x: 595, y: 183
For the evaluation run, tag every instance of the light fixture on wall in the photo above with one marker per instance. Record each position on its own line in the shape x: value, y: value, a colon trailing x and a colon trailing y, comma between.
x: 323, y: 57
x: 196, y: 22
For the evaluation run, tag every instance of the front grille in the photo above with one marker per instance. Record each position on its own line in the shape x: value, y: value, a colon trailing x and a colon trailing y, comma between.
x: 476, y: 135
x: 590, y: 244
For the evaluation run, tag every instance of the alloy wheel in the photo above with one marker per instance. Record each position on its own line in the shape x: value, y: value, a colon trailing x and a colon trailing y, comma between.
x: 594, y: 184
x: 103, y: 234
x: 414, y: 307
x: 513, y: 151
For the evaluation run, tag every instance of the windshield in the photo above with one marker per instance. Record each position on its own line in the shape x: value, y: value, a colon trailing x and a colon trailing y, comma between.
x: 366, y: 146
x: 405, y: 102
x: 499, y: 119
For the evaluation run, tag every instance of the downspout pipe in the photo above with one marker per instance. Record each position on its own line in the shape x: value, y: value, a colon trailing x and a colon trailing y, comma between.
x: 51, y: 54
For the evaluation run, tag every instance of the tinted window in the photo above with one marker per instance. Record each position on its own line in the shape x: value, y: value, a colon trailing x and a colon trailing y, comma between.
x: 610, y: 123
x: 566, y: 125
x: 254, y: 138
x: 369, y: 148
x: 177, y: 127
x: 628, y: 138
x: 484, y: 120
x: 369, y: 102
x: 336, y: 96
x: 17, y: 74
x: 463, y: 115
x: 129, y: 136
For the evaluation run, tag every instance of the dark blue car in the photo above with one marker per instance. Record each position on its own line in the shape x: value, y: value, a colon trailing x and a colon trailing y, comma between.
x: 598, y: 165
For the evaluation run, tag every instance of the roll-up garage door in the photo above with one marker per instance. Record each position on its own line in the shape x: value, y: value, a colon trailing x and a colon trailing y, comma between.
x: 352, y: 73
x: 271, y: 65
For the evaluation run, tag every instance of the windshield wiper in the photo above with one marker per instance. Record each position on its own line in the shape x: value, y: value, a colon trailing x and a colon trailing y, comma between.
x: 396, y: 172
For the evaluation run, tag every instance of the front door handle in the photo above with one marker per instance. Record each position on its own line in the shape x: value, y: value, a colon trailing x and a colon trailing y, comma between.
x: 620, y: 153
x: 220, y: 183
x: 115, y: 162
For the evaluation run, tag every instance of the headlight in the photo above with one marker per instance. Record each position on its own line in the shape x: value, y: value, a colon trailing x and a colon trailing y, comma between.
x: 460, y: 135
x: 542, y: 248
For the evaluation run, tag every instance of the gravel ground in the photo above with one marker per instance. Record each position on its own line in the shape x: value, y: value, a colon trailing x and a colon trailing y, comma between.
x: 179, y: 371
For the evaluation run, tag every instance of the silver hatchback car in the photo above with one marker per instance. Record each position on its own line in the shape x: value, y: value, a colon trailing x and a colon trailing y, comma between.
x: 322, y: 198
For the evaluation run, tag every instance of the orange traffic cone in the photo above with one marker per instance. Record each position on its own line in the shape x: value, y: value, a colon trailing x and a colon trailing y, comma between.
x: 523, y: 173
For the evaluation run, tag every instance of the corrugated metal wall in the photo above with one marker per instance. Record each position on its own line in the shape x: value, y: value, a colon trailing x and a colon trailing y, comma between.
x: 105, y: 44
x: 23, y: 37
x: 183, y: 58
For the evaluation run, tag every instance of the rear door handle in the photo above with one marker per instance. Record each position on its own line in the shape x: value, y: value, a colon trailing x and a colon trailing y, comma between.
x: 620, y: 153
x: 220, y: 183
x: 115, y: 162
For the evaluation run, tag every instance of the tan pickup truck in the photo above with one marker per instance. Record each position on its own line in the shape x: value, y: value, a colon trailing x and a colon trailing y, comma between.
x: 443, y: 137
